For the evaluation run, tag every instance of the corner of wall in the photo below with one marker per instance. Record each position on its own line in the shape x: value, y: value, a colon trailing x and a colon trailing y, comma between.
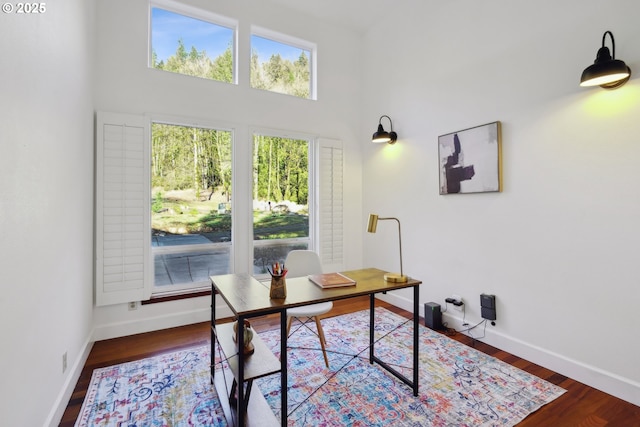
x: 60, y: 404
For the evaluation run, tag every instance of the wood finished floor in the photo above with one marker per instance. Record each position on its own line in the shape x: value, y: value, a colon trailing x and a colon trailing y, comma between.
x: 581, y: 406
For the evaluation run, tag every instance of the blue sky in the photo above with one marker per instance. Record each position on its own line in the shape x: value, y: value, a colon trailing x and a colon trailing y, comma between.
x: 266, y: 48
x: 169, y: 27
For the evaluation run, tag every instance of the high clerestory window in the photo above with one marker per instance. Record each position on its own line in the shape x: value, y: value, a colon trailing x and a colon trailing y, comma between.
x: 283, y: 64
x: 190, y: 41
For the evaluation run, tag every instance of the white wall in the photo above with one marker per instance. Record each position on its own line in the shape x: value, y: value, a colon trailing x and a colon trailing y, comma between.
x: 559, y: 246
x: 46, y: 208
x: 125, y: 84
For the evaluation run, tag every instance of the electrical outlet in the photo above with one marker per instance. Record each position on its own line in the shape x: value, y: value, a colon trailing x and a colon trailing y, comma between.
x: 459, y: 299
x: 64, y: 362
x: 133, y: 305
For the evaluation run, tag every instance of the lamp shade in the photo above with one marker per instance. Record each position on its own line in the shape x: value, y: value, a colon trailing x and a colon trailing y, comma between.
x: 606, y: 71
x: 380, y: 135
x: 372, y: 226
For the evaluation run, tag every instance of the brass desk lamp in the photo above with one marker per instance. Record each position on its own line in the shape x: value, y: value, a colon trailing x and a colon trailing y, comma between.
x: 371, y: 228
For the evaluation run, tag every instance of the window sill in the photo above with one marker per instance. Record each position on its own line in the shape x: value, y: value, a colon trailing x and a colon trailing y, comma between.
x: 177, y: 295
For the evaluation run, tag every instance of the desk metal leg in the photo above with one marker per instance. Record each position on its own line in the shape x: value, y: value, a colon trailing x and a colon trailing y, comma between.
x: 416, y: 333
x: 240, y: 389
x: 283, y: 368
x: 212, y: 368
x: 372, y: 326
x: 372, y: 357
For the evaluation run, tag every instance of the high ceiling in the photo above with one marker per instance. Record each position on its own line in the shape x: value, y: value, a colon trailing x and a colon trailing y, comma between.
x: 357, y: 14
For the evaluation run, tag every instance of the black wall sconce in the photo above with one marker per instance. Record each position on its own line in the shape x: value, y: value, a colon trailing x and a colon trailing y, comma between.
x: 607, y: 71
x: 381, y: 135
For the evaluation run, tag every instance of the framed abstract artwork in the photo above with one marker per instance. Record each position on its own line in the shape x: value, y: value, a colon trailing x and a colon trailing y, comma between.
x: 470, y: 160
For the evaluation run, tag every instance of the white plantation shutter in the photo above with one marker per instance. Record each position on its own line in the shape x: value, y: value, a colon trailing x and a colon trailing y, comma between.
x: 330, y: 204
x: 123, y: 232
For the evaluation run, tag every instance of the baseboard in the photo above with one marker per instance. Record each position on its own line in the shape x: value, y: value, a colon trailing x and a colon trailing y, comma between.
x: 592, y: 376
x: 60, y: 405
x: 156, y: 323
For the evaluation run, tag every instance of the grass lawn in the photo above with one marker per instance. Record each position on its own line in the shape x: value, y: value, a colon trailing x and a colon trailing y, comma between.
x: 174, y: 216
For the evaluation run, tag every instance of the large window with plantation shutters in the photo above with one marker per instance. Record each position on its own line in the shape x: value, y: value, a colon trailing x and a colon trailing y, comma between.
x: 298, y: 202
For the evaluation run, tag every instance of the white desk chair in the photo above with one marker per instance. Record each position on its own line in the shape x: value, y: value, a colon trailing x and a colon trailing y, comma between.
x: 301, y: 263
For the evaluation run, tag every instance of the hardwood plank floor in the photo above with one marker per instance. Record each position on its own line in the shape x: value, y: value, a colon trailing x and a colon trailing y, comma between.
x: 581, y: 406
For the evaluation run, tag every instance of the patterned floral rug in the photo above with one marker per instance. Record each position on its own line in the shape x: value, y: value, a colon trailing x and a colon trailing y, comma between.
x: 169, y: 390
x: 459, y: 386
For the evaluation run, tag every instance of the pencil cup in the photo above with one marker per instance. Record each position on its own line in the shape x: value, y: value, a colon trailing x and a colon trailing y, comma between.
x: 278, y: 288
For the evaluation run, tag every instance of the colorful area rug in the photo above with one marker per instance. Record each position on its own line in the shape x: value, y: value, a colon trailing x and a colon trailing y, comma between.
x: 169, y: 390
x: 459, y: 386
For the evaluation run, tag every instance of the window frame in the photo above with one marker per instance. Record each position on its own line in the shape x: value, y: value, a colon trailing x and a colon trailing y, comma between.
x: 195, y: 13
x: 158, y: 290
x: 294, y: 42
x: 313, y: 170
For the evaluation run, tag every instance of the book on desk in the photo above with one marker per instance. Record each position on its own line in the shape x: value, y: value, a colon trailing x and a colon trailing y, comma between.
x: 331, y: 280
